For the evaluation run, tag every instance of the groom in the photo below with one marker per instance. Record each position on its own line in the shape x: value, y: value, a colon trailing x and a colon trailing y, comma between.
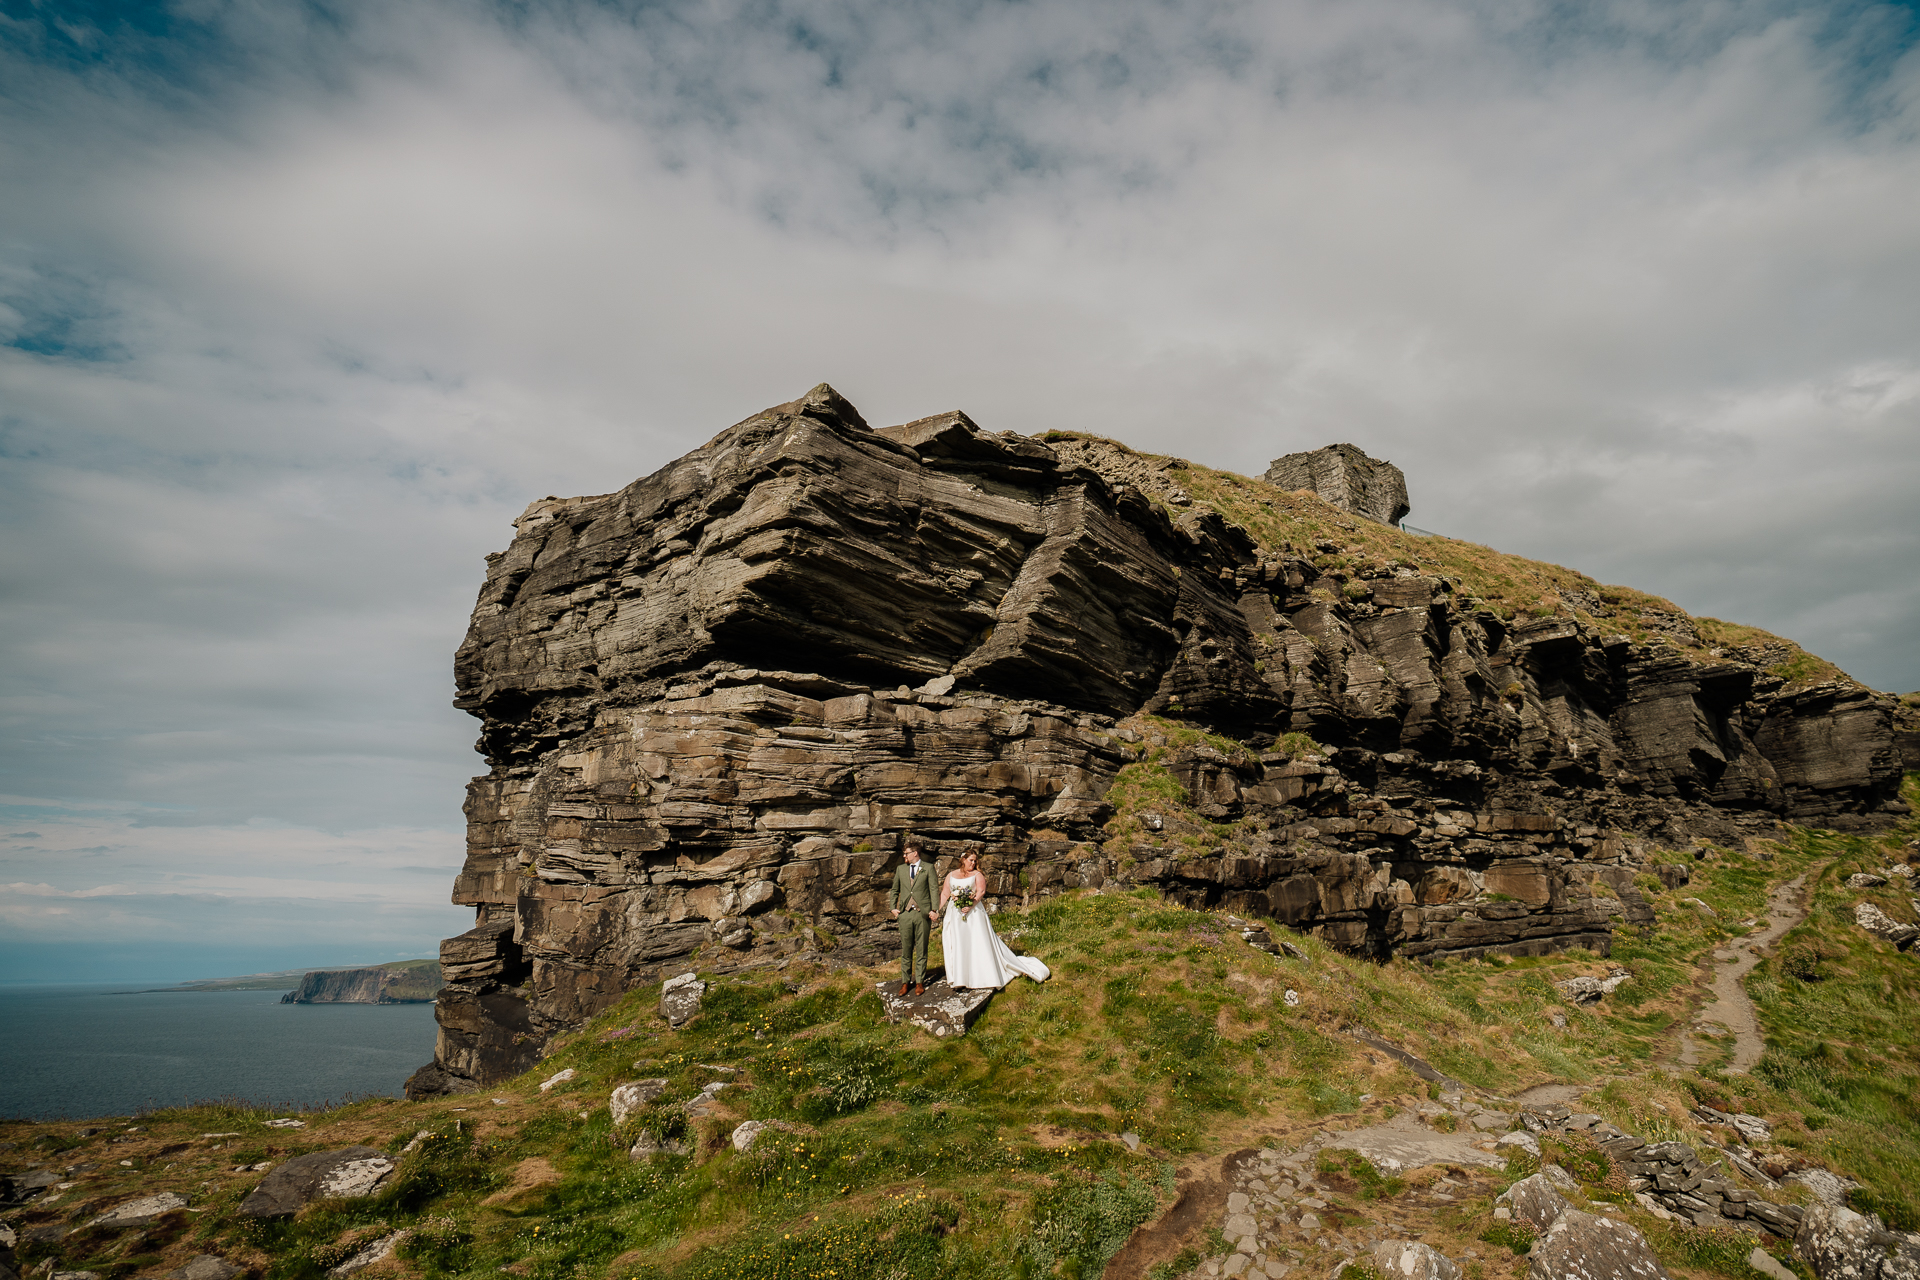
x: 911, y: 901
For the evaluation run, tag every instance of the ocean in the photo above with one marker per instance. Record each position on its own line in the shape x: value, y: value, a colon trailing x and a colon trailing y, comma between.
x: 74, y: 1051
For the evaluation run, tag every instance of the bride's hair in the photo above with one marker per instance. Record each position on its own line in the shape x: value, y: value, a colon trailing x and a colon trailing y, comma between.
x: 970, y: 856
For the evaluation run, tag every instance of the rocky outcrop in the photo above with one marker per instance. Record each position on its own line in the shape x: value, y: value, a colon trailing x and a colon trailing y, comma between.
x: 345, y: 1174
x: 714, y: 701
x: 1345, y: 477
x: 377, y: 985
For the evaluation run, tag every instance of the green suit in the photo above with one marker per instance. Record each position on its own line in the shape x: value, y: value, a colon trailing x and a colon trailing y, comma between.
x: 912, y: 897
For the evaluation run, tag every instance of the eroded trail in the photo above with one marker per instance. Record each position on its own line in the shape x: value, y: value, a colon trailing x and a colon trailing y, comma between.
x: 1727, y: 1004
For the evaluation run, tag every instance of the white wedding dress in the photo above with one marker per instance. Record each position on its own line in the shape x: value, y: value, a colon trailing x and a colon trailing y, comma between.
x: 975, y: 956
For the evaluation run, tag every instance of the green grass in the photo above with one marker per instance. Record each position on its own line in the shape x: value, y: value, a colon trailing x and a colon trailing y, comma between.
x: 997, y: 1154
x: 1482, y: 579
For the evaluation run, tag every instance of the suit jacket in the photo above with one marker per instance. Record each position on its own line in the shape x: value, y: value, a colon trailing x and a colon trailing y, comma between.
x: 909, y: 891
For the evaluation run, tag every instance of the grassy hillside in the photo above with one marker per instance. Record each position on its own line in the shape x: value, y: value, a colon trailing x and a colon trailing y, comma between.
x: 1000, y: 1154
x: 1508, y: 586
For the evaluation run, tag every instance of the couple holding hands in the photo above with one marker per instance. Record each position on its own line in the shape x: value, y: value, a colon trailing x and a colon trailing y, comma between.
x: 974, y: 954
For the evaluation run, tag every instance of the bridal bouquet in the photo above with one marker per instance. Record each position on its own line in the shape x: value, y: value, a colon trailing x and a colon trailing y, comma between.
x: 963, y: 898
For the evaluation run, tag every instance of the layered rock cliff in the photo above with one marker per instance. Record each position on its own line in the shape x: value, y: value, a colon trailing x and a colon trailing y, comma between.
x: 410, y: 983
x: 715, y: 701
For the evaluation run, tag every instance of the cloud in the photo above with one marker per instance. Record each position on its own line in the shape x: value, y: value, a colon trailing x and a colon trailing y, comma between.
x: 300, y: 308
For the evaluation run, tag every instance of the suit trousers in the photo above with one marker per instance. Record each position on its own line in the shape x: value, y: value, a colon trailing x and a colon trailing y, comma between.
x: 915, y: 929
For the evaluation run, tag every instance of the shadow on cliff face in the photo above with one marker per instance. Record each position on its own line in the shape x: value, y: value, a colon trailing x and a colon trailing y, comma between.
x: 715, y: 701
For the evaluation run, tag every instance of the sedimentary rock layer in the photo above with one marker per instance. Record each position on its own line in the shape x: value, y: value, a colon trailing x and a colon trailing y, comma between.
x: 715, y: 701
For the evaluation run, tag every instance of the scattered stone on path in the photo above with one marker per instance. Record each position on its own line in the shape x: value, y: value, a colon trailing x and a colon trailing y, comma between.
x: 1404, y: 1143
x: 1521, y: 1139
x: 1412, y: 1260
x: 680, y: 998
x: 1768, y: 1265
x: 1534, y: 1201
x: 137, y: 1213
x: 629, y: 1098
x: 944, y: 1010
x: 299, y: 1181
x: 286, y: 1122
x: 206, y: 1266
x: 1580, y: 1246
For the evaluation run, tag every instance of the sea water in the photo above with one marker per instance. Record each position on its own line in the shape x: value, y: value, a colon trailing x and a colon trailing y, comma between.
x: 79, y: 1051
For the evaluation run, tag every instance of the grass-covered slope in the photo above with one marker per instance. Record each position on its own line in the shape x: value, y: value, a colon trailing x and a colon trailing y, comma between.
x: 1001, y: 1153
x: 1507, y: 585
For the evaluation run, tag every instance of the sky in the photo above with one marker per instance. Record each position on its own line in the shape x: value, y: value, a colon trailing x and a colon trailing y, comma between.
x: 301, y: 304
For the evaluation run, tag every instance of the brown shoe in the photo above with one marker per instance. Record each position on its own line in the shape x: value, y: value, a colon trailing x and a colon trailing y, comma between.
x: 919, y: 988
x: 904, y: 986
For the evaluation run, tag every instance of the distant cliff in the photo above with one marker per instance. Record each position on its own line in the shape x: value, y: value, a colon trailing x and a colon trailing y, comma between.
x: 408, y: 982
x: 716, y: 701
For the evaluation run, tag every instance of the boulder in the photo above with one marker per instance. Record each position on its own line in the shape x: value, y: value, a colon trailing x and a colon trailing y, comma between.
x: 373, y: 1251
x: 1411, y: 1260
x: 347, y: 1173
x: 18, y: 1188
x: 629, y: 1098
x: 137, y: 1213
x: 1345, y: 477
x: 1520, y: 1140
x: 1865, y: 880
x: 1581, y: 1246
x: 206, y: 1266
x: 680, y: 998
x: 748, y: 1132
x: 647, y: 1145
x: 1840, y: 1244
x: 557, y: 1078
x: 1874, y: 920
x: 1534, y: 1201
x: 942, y: 1009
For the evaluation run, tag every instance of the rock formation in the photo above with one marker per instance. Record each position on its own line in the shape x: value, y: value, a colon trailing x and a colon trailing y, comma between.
x: 714, y: 701
x: 1347, y: 478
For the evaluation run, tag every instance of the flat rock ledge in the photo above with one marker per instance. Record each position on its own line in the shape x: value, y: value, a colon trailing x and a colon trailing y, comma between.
x: 346, y: 1174
x: 944, y: 1010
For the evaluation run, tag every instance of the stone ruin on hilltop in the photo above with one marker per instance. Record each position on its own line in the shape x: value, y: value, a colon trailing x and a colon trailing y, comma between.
x: 713, y: 702
x: 1346, y: 478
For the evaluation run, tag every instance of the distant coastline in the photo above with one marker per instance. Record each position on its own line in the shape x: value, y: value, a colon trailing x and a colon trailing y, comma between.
x: 407, y: 982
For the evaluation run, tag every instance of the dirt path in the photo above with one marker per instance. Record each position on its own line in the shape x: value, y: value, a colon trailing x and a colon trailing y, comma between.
x: 1728, y: 1005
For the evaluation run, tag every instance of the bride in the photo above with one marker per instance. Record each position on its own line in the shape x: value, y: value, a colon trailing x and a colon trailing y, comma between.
x: 974, y: 954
